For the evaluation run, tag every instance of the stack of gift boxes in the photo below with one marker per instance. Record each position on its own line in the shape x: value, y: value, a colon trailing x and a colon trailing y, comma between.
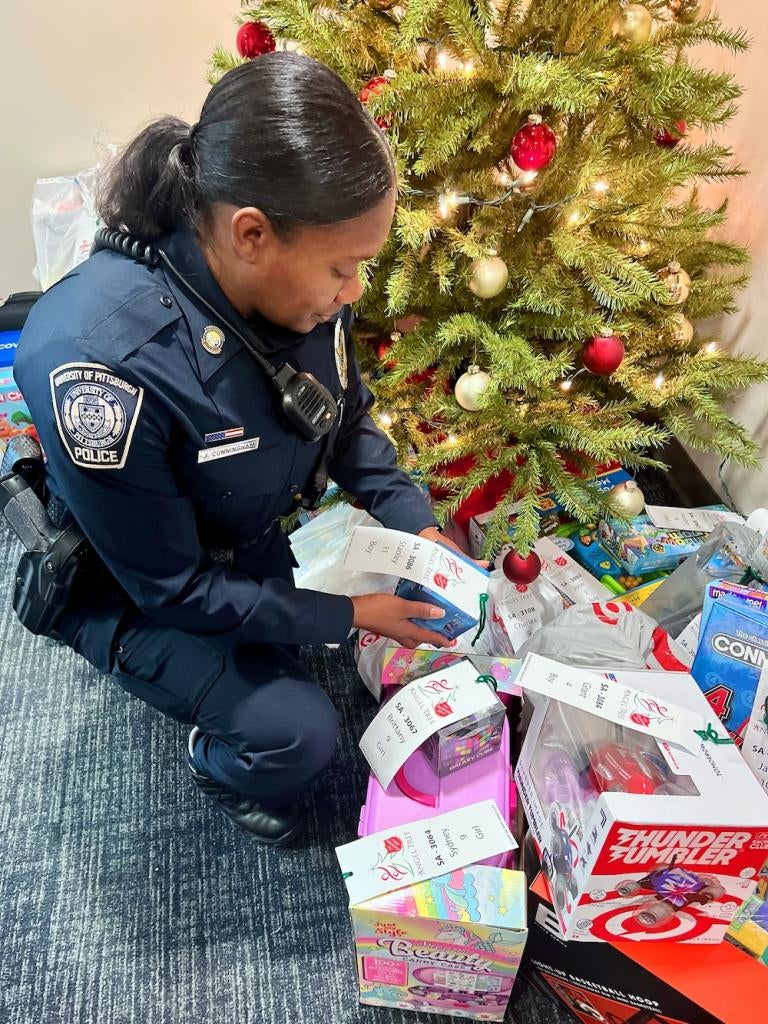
x: 637, y: 795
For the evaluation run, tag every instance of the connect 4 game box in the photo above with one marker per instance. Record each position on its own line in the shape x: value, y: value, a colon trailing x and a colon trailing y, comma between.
x: 733, y: 643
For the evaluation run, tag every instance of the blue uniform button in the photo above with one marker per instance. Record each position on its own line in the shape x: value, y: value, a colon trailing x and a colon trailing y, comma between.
x: 166, y: 300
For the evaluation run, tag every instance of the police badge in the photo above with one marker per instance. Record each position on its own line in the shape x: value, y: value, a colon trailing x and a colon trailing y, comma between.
x: 340, y: 349
x: 96, y: 413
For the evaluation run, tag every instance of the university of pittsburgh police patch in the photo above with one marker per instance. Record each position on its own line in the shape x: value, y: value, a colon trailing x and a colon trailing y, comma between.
x: 96, y: 413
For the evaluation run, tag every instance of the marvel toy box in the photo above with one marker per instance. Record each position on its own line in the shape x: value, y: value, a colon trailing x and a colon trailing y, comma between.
x: 733, y: 644
x: 649, y: 824
x: 451, y: 945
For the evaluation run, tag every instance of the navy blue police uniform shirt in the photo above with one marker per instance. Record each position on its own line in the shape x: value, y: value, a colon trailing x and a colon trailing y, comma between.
x: 164, y: 450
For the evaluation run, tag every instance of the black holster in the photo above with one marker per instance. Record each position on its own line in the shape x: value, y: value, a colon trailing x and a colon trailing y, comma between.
x: 56, y: 557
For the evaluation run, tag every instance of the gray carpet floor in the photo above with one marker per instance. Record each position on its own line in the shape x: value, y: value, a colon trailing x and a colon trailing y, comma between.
x: 125, y: 897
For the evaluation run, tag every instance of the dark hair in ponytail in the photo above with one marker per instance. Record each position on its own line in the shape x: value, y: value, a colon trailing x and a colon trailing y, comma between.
x: 282, y: 133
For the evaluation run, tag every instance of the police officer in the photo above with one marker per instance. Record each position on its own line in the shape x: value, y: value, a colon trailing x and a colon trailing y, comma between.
x: 165, y: 439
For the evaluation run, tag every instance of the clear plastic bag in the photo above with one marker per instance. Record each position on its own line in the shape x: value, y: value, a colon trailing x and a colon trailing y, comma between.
x: 516, y: 612
x: 64, y: 221
x: 726, y: 555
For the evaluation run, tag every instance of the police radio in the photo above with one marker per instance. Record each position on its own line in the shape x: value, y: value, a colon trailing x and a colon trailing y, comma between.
x: 307, y: 405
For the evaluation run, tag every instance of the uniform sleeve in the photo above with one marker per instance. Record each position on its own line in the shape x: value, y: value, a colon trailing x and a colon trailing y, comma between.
x: 144, y: 530
x: 364, y: 463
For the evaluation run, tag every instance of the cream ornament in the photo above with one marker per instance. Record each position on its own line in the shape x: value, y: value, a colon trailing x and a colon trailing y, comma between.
x: 677, y: 282
x: 627, y: 499
x: 470, y: 388
x: 682, y: 328
x: 632, y: 24
x: 489, y: 277
x: 687, y: 11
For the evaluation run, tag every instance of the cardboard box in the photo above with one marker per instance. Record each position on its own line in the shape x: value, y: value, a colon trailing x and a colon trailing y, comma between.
x: 640, y: 838
x: 549, y: 509
x: 451, y: 945
x: 640, y: 983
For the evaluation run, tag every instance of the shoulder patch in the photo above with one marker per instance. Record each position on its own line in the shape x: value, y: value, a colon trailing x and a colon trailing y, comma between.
x: 96, y: 413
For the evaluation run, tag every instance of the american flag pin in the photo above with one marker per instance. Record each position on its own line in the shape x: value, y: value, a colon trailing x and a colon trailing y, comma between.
x: 224, y: 435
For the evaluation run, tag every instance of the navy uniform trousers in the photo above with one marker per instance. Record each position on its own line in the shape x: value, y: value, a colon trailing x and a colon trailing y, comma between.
x: 269, y: 729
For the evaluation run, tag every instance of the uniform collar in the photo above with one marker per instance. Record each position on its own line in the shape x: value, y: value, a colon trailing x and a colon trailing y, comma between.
x: 184, y: 251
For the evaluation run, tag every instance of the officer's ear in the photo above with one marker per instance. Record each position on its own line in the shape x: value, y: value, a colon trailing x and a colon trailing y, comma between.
x: 253, y: 236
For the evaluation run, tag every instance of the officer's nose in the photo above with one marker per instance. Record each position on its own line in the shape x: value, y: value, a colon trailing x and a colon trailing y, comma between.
x: 350, y: 292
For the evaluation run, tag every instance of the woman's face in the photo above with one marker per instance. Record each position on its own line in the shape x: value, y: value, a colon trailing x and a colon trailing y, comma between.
x: 301, y: 281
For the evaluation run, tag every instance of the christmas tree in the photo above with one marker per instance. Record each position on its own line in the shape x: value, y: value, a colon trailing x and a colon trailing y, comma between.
x: 530, y: 317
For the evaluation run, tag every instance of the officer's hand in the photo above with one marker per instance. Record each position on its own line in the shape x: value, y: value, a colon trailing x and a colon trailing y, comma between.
x: 391, y: 616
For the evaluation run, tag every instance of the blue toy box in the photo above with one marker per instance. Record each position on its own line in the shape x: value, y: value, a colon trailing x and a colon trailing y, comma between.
x: 642, y: 547
x: 733, y: 646
x: 457, y: 620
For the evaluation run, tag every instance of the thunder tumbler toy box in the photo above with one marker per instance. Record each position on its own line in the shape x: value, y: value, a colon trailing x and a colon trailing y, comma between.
x: 451, y: 945
x: 640, y: 982
x: 640, y: 837
x: 733, y: 644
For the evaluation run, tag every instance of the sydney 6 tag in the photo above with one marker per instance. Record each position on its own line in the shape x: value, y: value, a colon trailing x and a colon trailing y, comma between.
x: 417, y: 711
x: 424, y: 849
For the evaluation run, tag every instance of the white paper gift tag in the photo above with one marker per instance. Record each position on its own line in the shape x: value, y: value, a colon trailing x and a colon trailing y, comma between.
x: 419, y: 560
x: 563, y: 572
x: 417, y: 711
x: 689, y: 638
x: 699, y: 520
x: 402, y: 856
x: 604, y: 695
x: 755, y: 746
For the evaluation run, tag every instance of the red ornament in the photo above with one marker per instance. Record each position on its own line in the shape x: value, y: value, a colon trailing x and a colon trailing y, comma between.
x: 669, y: 138
x: 382, y: 349
x: 603, y: 354
x: 373, y: 87
x: 384, y: 121
x: 534, y: 145
x: 393, y: 845
x: 521, y: 568
x: 254, y: 39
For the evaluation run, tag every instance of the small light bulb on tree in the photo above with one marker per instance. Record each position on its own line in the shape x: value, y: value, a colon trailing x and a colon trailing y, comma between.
x: 658, y: 381
x: 600, y: 186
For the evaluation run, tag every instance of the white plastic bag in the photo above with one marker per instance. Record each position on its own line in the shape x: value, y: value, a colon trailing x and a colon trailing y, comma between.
x: 64, y: 221
x: 606, y: 636
x: 319, y: 549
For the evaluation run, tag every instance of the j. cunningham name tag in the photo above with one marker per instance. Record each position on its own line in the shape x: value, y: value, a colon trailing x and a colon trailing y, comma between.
x: 222, y: 451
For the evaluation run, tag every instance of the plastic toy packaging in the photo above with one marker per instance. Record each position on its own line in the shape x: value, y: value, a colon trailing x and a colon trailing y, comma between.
x: 639, y: 838
x: 727, y: 554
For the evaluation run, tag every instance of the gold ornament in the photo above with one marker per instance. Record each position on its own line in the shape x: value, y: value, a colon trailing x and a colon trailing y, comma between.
x: 489, y: 277
x: 677, y: 282
x: 470, y: 388
x: 632, y: 24
x: 687, y: 11
x: 682, y: 329
x: 627, y: 499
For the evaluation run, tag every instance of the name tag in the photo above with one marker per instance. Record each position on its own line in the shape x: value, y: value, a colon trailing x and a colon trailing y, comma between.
x: 223, y: 451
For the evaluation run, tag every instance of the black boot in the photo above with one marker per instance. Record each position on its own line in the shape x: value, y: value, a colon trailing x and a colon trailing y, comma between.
x: 274, y: 827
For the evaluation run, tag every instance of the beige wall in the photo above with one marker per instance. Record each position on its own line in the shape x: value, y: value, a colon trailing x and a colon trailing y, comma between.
x: 83, y: 72
x: 747, y: 331
x: 86, y: 72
